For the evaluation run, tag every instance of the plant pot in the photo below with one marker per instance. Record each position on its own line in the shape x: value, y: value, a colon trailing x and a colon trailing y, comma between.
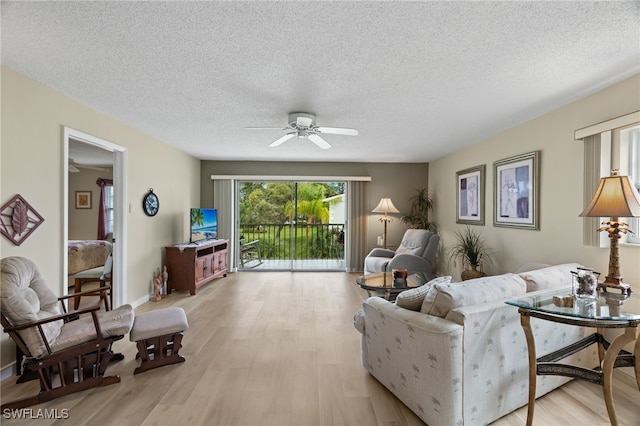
x: 472, y: 273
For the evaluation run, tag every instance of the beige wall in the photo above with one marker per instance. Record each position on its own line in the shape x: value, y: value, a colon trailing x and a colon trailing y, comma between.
x: 83, y: 222
x: 560, y: 236
x: 33, y: 117
x: 397, y: 181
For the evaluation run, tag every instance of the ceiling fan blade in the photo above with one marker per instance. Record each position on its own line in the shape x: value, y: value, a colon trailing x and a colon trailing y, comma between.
x: 319, y: 141
x: 74, y: 167
x: 338, y: 131
x: 283, y: 139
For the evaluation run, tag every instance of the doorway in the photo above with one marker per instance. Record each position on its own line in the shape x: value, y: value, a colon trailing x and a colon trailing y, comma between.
x: 291, y: 225
x: 75, y: 142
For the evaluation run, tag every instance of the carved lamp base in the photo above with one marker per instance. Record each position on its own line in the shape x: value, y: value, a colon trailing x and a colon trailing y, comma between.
x: 615, y: 284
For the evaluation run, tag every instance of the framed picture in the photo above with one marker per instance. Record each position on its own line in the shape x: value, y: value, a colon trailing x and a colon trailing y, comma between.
x: 470, y: 195
x: 516, y: 192
x: 83, y: 199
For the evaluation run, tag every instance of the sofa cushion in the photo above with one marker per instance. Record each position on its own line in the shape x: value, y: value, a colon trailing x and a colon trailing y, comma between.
x: 557, y: 276
x: 531, y: 266
x: 441, y: 298
x: 412, y: 299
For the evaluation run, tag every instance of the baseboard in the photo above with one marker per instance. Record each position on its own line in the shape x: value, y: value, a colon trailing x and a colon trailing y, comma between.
x: 8, y: 371
x: 141, y: 301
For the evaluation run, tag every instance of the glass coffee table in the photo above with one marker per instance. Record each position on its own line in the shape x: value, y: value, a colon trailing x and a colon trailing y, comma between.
x: 383, y: 283
x: 609, y: 310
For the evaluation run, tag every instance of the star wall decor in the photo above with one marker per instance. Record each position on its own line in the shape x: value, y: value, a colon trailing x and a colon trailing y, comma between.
x: 18, y: 219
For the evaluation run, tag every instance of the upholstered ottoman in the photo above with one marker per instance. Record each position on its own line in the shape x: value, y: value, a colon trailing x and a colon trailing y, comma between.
x: 158, y: 335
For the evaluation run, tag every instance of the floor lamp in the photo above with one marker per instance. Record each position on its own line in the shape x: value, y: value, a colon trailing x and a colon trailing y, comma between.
x: 385, y: 206
x: 615, y: 197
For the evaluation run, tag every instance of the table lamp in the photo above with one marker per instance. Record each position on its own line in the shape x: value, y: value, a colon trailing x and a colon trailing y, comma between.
x: 615, y: 197
x: 385, y: 206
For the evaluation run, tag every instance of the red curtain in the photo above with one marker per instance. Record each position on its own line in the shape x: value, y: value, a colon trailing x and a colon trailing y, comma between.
x: 102, y: 208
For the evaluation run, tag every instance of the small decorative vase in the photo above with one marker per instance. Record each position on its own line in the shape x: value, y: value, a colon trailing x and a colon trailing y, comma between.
x: 472, y: 273
x: 585, y: 283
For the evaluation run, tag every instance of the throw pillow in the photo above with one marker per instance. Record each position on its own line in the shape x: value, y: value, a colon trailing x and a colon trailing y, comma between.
x: 442, y: 298
x: 412, y: 299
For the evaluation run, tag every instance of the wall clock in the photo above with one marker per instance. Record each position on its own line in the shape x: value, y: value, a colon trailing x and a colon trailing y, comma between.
x: 150, y: 203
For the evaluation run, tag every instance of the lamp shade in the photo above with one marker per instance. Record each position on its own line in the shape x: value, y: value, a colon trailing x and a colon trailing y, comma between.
x: 385, y: 206
x: 615, y: 197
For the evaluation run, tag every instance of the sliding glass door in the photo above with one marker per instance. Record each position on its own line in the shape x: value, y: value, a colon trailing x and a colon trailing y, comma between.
x: 291, y: 225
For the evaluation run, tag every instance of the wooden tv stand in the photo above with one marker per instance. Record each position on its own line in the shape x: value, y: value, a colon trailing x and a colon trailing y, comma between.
x: 192, y: 265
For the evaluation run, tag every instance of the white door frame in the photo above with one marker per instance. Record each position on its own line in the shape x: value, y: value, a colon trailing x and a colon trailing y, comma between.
x: 119, y: 279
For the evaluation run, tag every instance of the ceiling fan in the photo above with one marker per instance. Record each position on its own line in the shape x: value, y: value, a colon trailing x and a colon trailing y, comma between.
x: 75, y: 167
x: 303, y: 125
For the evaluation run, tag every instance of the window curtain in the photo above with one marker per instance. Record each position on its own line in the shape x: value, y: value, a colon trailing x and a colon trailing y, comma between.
x: 224, y: 201
x: 595, y: 167
x: 102, y: 208
x: 357, y: 214
x: 598, y: 143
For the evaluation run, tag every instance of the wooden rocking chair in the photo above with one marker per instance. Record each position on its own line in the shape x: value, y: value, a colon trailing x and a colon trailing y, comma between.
x: 67, y: 352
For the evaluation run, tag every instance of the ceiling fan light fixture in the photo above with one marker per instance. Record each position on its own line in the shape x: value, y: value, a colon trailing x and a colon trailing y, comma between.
x: 303, y: 125
x: 301, y: 119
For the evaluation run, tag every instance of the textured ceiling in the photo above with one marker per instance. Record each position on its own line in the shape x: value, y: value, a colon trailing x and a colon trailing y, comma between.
x: 417, y: 79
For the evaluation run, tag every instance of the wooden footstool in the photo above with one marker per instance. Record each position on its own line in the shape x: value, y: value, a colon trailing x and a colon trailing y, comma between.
x: 158, y: 335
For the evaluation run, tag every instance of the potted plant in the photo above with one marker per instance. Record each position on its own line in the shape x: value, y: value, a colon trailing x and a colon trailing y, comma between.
x: 471, y: 249
x: 418, y: 217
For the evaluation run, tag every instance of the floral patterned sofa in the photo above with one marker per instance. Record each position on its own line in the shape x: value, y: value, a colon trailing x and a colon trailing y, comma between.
x: 456, y: 354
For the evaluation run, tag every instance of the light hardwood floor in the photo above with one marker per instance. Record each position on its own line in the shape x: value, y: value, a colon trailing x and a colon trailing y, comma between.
x: 279, y: 348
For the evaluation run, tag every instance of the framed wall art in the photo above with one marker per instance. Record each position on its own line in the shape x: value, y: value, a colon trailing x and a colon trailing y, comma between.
x: 83, y: 199
x: 18, y: 219
x: 470, y: 195
x: 516, y: 191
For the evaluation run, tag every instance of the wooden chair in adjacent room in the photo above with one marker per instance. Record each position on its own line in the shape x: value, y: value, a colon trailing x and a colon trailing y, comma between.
x: 100, y: 275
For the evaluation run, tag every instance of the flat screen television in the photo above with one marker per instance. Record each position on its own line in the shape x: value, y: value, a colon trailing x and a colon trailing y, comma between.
x: 204, y: 225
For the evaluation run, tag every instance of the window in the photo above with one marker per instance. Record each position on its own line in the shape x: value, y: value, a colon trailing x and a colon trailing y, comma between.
x: 108, y: 192
x: 630, y: 160
x: 612, y: 144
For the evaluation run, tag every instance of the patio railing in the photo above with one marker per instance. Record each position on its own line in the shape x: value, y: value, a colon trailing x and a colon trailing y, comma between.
x: 280, y: 241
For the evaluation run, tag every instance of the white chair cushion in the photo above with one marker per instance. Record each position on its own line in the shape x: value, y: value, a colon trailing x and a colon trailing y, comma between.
x: 116, y: 322
x: 25, y: 297
x: 414, y: 247
x: 95, y: 273
x: 375, y: 264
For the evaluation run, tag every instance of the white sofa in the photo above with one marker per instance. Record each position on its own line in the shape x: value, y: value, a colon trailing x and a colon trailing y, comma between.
x: 455, y: 353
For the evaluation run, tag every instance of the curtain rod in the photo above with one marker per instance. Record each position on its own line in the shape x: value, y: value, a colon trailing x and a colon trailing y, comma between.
x: 299, y: 178
x: 615, y: 123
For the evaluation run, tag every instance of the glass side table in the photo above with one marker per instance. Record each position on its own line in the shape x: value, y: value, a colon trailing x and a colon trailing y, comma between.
x: 383, y: 282
x: 609, y: 310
